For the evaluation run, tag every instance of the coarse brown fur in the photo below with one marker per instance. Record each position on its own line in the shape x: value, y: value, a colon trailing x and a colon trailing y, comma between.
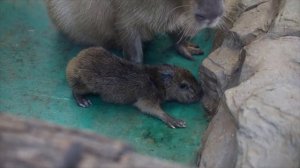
x: 127, y: 23
x: 117, y: 80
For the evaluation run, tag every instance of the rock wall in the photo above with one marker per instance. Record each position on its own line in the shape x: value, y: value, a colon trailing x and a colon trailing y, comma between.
x: 252, y: 85
x: 34, y: 144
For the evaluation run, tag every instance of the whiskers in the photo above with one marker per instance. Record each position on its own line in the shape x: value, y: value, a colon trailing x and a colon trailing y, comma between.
x: 222, y: 24
x: 90, y: 5
x: 188, y: 29
x: 177, y: 7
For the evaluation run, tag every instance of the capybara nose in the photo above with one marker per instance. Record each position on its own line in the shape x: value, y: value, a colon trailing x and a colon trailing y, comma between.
x: 202, y: 15
x: 209, y: 10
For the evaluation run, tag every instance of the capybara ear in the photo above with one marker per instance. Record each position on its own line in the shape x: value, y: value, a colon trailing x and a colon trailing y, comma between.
x: 167, y: 75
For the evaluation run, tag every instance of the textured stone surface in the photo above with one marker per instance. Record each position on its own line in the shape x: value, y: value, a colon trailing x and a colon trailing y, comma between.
x: 32, y: 144
x: 216, y: 74
x: 266, y: 104
x: 263, y: 110
x: 287, y: 21
x: 276, y: 62
x: 255, y: 21
x: 232, y: 10
x: 220, y: 148
x: 249, y: 4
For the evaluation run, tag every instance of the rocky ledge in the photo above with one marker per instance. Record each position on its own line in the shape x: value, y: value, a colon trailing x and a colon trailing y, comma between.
x: 252, y: 87
x: 35, y: 144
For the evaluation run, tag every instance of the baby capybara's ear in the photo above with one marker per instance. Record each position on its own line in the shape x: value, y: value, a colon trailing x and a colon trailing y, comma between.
x: 166, y: 74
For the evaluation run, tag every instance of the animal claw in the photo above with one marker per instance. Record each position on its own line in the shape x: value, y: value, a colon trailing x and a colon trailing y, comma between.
x: 82, y: 101
x: 187, y: 49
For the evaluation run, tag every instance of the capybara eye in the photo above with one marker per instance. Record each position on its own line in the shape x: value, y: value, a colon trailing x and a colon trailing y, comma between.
x: 183, y: 86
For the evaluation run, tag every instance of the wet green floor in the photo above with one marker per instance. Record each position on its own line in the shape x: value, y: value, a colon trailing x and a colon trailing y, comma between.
x: 33, y: 56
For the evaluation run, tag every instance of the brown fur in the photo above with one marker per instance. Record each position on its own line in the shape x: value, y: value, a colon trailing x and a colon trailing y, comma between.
x: 127, y: 23
x: 116, y: 80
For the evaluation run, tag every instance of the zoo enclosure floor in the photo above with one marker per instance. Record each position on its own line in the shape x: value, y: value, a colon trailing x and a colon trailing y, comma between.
x: 33, y: 58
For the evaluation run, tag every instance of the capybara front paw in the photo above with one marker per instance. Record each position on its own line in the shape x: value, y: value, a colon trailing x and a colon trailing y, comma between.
x: 187, y: 49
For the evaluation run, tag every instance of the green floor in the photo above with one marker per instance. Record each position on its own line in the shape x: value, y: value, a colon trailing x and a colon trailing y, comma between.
x: 33, y: 56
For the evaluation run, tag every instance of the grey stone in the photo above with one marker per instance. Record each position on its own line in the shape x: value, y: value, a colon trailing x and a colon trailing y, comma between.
x: 269, y: 122
x: 255, y: 22
x: 220, y: 145
x: 263, y: 111
x: 230, y: 5
x: 249, y: 4
x: 36, y: 144
x: 267, y: 62
x: 266, y: 104
x: 232, y: 10
x: 287, y: 21
x: 217, y: 73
